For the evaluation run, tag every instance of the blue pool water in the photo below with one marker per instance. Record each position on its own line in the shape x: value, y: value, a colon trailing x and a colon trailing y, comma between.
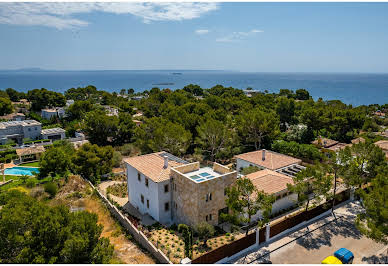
x: 21, y: 170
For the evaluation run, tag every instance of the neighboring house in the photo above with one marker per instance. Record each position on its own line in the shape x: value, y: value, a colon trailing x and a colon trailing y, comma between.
x: 379, y: 114
x: 198, y: 194
x: 14, y: 117
x: 110, y: 110
x: 358, y: 140
x: 53, y: 133
x: 27, y: 129
x: 69, y: 102
x: 171, y: 190
x: 274, y: 183
x: 137, y: 122
x: 329, y: 144
x: 138, y: 114
x: 53, y: 112
x: 383, y: 144
x: 271, y: 160
x: 30, y: 153
x: 19, y: 130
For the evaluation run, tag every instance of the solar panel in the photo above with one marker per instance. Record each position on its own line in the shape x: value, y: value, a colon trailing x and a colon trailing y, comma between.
x: 173, y: 158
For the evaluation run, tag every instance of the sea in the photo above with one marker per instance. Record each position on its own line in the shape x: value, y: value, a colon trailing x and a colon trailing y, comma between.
x: 351, y: 88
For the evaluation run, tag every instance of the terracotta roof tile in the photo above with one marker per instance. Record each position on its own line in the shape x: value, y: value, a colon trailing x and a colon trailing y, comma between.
x: 269, y: 181
x: 358, y: 140
x: 324, y: 142
x: 383, y: 144
x: 273, y: 160
x: 151, y: 165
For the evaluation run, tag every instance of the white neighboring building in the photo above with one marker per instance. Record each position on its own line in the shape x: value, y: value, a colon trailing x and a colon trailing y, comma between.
x: 19, y: 130
x: 274, y: 183
x: 48, y: 113
x: 148, y: 179
x: 54, y: 133
x: 271, y: 160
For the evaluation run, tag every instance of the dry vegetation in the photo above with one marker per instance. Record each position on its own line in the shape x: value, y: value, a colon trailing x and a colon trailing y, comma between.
x: 76, y: 193
x: 118, y: 190
x: 172, y: 244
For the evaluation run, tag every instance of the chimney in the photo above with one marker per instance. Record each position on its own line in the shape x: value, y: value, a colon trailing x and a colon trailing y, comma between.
x: 263, y: 154
x: 165, y: 161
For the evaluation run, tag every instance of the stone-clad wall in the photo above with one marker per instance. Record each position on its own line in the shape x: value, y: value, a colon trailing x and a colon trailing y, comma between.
x: 187, y: 167
x: 190, y: 198
x: 220, y: 168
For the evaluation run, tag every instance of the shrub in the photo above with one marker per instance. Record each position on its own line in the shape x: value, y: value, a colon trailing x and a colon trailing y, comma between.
x: 30, y: 183
x: 227, y: 234
x: 51, y: 188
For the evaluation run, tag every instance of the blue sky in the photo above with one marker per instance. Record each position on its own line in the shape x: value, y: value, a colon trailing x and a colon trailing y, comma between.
x: 259, y: 37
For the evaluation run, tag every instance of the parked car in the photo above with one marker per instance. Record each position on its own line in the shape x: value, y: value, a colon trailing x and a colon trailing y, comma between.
x: 345, y: 255
x: 331, y: 260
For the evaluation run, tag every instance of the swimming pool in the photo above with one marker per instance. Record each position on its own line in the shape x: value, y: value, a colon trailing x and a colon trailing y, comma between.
x: 18, y: 170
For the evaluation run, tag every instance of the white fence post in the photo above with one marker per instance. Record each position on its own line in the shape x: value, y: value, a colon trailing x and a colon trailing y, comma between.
x: 352, y: 193
x: 267, y: 231
x: 257, y: 236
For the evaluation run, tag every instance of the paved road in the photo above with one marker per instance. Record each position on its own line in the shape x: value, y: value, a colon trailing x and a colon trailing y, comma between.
x: 319, y: 240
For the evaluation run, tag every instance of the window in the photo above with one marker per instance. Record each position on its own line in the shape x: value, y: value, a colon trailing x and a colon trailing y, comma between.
x: 29, y: 129
x: 224, y: 191
x: 142, y: 198
x: 148, y: 204
x: 207, y: 218
x: 138, y: 177
x: 146, y: 182
x: 166, y: 206
x: 165, y: 188
x: 208, y: 197
x: 175, y: 205
x: 210, y: 217
x: 36, y: 128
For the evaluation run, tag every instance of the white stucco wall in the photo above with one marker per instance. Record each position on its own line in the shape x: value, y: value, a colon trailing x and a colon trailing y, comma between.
x: 164, y: 216
x: 137, y: 188
x: 280, y: 204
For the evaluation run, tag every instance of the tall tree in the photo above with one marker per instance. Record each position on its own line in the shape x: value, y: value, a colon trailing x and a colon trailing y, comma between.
x: 312, y: 184
x: 285, y: 109
x: 34, y: 232
x: 100, y: 128
x: 245, y: 200
x: 5, y: 106
x: 374, y: 221
x: 254, y: 125
x: 92, y: 162
x: 214, y: 138
x: 56, y: 160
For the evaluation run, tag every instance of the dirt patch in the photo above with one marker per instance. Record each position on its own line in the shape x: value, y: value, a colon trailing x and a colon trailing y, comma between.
x: 76, y: 193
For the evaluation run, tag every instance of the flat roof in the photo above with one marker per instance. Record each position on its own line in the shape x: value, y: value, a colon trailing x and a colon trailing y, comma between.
x: 202, y: 174
x: 55, y: 130
x: 4, y: 125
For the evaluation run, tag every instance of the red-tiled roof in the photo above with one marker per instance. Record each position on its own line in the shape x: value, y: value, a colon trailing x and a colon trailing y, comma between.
x: 151, y: 165
x: 269, y: 181
x: 273, y: 160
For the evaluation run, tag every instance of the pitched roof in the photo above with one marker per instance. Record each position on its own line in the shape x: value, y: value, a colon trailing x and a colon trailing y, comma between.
x: 324, y: 142
x: 338, y: 146
x: 273, y: 160
x: 269, y: 181
x: 30, y: 150
x: 358, y: 140
x: 151, y: 165
x: 383, y: 144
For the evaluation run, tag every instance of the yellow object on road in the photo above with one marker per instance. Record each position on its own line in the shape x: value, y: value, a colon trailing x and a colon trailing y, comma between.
x: 331, y: 260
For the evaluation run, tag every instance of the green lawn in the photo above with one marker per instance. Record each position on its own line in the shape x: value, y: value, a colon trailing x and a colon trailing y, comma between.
x: 34, y: 164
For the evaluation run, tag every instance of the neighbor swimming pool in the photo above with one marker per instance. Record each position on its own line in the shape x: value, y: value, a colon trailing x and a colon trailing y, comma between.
x: 18, y: 170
